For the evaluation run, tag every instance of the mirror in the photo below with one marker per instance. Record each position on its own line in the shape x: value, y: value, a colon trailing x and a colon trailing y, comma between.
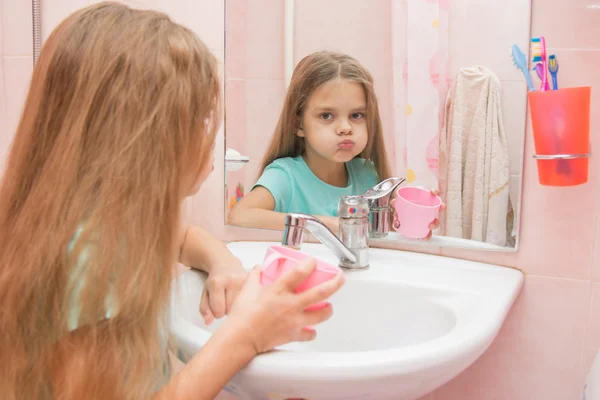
x: 449, y: 115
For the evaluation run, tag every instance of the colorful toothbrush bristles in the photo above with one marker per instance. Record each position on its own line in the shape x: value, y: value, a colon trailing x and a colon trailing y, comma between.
x: 536, y: 50
x: 553, y: 68
x: 538, y: 54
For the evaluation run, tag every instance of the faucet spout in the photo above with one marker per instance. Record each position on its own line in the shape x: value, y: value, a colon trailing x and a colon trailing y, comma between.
x: 380, y: 194
x: 379, y: 198
x: 296, y: 223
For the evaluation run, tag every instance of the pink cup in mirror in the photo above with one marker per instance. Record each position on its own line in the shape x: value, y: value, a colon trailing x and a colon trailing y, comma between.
x: 280, y: 259
x: 416, y: 209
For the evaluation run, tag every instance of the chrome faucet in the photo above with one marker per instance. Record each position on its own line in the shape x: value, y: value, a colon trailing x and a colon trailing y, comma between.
x: 361, y: 218
x: 380, y: 211
x: 353, y: 248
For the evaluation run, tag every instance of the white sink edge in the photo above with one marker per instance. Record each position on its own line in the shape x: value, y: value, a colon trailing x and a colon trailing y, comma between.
x: 377, y: 253
x: 374, y: 362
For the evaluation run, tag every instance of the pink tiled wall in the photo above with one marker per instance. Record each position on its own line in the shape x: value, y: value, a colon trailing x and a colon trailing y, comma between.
x: 552, y: 334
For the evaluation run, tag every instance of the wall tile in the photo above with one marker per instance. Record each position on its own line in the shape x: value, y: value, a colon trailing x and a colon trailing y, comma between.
x: 17, y: 28
x: 206, y: 18
x: 552, y: 244
x: 237, y: 37
x: 236, y: 115
x: 480, y: 36
x: 596, y: 255
x: 579, y: 68
x: 220, y: 55
x: 592, y: 346
x: 538, y: 350
x: 4, y: 137
x: 263, y: 105
x: 369, y: 41
x: 264, y: 51
x: 53, y: 12
x: 1, y: 29
x: 514, y: 113
x: 17, y: 73
x: 567, y: 23
x: 208, y: 205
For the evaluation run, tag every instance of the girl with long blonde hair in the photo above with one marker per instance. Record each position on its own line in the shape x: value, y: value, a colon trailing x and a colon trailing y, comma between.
x: 328, y: 143
x: 117, y: 130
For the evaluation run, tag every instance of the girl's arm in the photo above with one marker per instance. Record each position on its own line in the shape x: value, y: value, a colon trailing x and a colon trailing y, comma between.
x: 201, y: 250
x: 226, y: 274
x: 202, y: 378
x: 255, y: 210
x: 210, y: 369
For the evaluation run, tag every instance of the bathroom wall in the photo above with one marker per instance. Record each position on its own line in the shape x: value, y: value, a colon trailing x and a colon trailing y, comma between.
x: 548, y: 342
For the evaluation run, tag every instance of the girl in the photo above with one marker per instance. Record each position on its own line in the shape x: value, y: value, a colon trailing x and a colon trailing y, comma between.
x: 118, y: 128
x: 328, y: 143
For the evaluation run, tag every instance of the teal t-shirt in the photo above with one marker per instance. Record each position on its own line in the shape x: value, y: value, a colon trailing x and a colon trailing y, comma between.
x: 296, y: 188
x: 77, y: 280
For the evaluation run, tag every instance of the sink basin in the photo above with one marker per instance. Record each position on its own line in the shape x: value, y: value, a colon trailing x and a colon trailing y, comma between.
x: 400, y: 329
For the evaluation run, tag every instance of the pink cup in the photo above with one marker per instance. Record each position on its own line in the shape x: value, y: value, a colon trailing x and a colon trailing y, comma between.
x: 415, y: 208
x: 280, y: 259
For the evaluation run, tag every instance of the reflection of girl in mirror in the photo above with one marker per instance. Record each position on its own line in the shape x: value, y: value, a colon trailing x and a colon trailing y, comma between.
x: 328, y: 143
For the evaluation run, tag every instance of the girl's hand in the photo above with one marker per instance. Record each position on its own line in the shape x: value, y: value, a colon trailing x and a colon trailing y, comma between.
x: 221, y: 289
x: 265, y: 317
x: 436, y: 222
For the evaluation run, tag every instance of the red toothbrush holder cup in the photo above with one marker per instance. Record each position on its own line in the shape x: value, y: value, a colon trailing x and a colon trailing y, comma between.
x: 561, y: 133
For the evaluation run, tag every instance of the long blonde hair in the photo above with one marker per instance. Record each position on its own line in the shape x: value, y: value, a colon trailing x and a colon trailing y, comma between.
x: 119, y: 120
x: 312, y: 72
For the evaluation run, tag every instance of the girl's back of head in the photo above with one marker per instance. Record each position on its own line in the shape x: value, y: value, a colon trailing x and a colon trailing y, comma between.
x: 120, y: 116
x: 311, y: 73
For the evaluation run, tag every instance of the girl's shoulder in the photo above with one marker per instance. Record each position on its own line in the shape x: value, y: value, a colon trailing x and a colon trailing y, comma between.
x: 290, y: 165
x: 287, y: 161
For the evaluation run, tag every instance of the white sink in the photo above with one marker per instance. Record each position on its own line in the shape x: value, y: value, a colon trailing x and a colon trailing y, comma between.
x: 400, y: 329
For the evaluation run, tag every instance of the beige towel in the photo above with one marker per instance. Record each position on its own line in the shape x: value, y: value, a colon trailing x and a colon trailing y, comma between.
x: 474, y: 172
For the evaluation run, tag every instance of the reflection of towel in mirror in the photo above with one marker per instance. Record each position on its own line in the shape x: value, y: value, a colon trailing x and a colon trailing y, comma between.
x: 474, y: 172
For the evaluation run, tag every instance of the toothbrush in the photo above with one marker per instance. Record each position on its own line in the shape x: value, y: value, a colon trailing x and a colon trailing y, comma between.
x: 520, y: 61
x: 553, y: 68
x: 539, y: 70
x: 538, y: 54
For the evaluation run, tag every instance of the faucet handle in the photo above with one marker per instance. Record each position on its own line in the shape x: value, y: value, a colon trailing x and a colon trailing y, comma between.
x: 353, y: 207
x: 379, y: 195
